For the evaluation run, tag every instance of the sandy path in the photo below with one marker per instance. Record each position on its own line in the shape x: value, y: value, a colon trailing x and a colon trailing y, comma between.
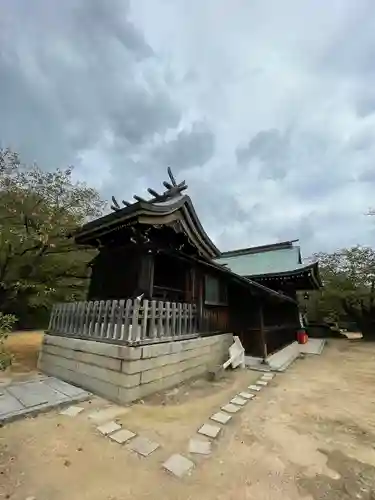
x: 311, y: 434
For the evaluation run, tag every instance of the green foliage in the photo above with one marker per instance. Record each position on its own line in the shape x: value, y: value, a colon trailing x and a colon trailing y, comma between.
x: 39, y: 209
x: 7, y: 322
x: 349, y: 287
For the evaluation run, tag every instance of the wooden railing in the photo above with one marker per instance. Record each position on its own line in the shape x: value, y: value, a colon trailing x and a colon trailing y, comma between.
x: 130, y: 322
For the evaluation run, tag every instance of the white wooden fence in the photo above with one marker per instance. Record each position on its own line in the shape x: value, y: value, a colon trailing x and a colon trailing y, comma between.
x: 130, y: 322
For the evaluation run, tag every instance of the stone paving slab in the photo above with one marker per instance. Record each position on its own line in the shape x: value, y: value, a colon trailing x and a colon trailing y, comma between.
x: 72, y: 411
x: 143, y: 446
x: 209, y: 430
x: 231, y: 408
x: 262, y: 382
x: 64, y: 387
x: 221, y: 418
x: 246, y: 395
x: 34, y: 393
x: 122, y: 436
x: 28, y: 398
x: 200, y: 447
x: 237, y: 400
x: 9, y: 404
x: 178, y: 465
x: 254, y: 388
x: 109, y: 427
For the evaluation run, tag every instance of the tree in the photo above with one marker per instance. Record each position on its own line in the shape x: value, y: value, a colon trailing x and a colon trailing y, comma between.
x: 38, y: 210
x: 349, y: 287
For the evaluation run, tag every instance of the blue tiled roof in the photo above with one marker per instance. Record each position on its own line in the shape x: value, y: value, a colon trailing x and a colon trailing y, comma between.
x: 271, y: 261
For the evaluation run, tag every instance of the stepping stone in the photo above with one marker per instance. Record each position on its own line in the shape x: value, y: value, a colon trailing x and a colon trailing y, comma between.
x: 247, y: 395
x: 231, y: 408
x: 108, y: 428
x: 199, y: 446
x: 254, y: 388
x: 143, y: 446
x: 209, y: 430
x: 221, y: 418
x: 106, y: 414
x: 238, y: 401
x: 262, y: 382
x: 72, y: 411
x: 268, y: 376
x: 178, y: 465
x: 122, y: 436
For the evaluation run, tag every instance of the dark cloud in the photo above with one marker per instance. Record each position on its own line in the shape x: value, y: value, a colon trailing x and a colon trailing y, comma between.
x: 190, y: 148
x: 70, y: 73
x: 269, y: 146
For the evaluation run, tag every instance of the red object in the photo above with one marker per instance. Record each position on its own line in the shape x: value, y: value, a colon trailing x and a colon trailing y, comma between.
x: 302, y: 337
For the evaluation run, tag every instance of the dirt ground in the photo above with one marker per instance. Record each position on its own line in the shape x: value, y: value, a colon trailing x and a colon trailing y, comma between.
x: 24, y: 346
x: 309, y: 435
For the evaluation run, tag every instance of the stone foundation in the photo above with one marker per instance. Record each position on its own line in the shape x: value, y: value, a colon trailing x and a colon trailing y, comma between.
x: 124, y: 374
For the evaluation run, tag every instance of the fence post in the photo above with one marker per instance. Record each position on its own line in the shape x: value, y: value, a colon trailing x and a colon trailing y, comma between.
x: 134, y: 333
x: 144, y: 333
x: 99, y: 318
x: 179, y: 319
x: 112, y: 320
x: 93, y: 318
x: 107, y: 310
x: 167, y: 319
x: 118, y: 334
x: 153, y: 332
x: 160, y: 328
x: 174, y: 315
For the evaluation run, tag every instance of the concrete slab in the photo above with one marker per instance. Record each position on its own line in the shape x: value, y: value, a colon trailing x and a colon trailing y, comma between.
x: 72, y: 411
x: 237, y: 400
x: 268, y: 376
x: 143, y: 446
x: 209, y: 430
x: 254, y: 388
x: 280, y: 360
x: 178, y: 465
x: 231, y: 408
x: 246, y: 395
x: 30, y: 397
x: 262, y: 382
x: 8, y: 403
x: 221, y: 418
x: 108, y: 428
x: 64, y: 387
x: 122, y: 436
x: 313, y: 346
x: 200, y: 446
x: 34, y: 393
x: 108, y: 413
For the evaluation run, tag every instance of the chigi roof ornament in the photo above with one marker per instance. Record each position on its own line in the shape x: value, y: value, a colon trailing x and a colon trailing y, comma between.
x: 173, y: 190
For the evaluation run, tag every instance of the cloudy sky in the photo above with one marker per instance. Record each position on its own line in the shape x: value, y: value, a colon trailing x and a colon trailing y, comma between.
x: 265, y: 107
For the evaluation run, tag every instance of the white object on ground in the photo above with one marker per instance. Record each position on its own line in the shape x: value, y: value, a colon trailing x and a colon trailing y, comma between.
x: 72, y: 411
x: 178, y: 465
x: 221, y: 418
x: 231, y: 408
x: 236, y: 354
x: 122, y: 436
x: 254, y: 388
x: 237, y: 400
x: 108, y: 428
x: 209, y: 430
x: 247, y: 395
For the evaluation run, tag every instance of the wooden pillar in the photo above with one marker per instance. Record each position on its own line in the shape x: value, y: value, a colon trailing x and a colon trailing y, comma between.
x: 146, y: 274
x: 262, y: 332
